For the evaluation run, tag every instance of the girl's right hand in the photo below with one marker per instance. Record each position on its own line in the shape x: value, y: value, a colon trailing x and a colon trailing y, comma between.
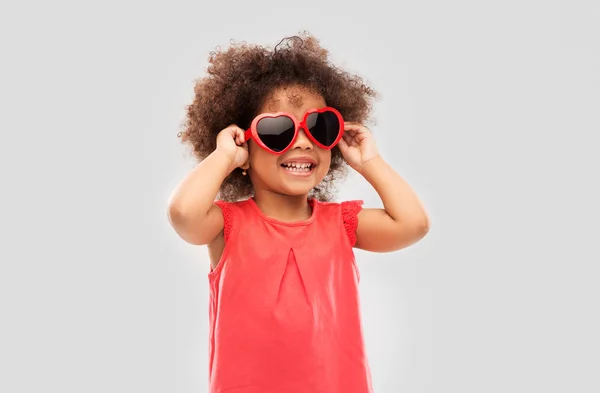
x: 232, y: 143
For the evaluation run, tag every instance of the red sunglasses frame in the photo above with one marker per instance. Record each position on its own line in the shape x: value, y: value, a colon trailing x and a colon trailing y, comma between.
x: 252, y: 133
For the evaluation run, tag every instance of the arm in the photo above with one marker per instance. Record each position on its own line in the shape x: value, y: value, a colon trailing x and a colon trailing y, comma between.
x: 403, y: 220
x: 191, y: 211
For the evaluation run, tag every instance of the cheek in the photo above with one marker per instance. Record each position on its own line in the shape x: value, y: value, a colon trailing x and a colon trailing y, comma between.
x: 324, y: 161
x: 325, y: 157
x: 260, y: 159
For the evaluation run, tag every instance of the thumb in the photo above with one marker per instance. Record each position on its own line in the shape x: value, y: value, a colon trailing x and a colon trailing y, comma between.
x: 343, y: 145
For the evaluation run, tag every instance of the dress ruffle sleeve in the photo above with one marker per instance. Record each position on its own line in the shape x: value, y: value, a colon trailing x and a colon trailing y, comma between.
x: 227, y: 217
x: 350, y: 210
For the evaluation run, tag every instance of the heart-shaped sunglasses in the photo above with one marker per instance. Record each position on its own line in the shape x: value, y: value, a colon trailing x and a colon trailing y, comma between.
x: 276, y: 132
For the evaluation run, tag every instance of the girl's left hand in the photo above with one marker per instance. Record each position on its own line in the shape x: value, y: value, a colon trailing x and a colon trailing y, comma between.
x: 357, y: 145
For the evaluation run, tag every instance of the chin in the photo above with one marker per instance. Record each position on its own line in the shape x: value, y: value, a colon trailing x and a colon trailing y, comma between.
x: 291, y: 189
x: 296, y: 186
x: 295, y: 191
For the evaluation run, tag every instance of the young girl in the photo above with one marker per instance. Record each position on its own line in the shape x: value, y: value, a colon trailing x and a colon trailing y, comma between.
x: 273, y: 129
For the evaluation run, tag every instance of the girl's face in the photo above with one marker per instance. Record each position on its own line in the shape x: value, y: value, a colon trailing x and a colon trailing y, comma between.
x: 284, y: 174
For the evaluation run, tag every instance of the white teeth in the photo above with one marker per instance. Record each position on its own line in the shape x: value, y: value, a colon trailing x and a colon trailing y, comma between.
x: 297, y: 166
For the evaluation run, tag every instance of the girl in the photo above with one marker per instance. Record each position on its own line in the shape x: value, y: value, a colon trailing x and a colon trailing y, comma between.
x: 273, y: 129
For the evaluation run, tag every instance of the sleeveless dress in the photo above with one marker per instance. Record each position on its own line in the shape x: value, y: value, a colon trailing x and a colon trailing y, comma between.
x: 284, y: 306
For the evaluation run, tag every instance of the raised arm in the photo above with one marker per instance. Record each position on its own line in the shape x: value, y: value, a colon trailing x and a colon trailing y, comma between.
x: 403, y: 220
x: 191, y: 209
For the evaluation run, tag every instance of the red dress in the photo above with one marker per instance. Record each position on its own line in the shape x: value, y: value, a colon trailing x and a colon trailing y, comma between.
x: 284, y: 303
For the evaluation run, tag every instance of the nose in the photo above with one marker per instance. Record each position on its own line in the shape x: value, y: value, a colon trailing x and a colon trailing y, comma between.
x: 302, y: 141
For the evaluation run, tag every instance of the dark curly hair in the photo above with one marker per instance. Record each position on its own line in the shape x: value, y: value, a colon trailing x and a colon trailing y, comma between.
x: 242, y: 77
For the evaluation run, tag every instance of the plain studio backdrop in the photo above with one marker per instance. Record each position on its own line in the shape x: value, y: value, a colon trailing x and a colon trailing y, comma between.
x: 490, y: 110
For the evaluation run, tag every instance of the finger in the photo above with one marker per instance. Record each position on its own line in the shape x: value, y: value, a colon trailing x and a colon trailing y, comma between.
x: 354, y: 123
x: 347, y: 138
x: 359, y: 128
x: 343, y: 145
x: 361, y: 136
x: 351, y: 140
x: 235, y: 129
x: 239, y: 135
x: 354, y: 131
x: 351, y: 130
x: 230, y: 131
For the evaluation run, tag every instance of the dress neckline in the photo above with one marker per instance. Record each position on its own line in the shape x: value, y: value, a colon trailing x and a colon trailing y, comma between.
x: 311, y: 201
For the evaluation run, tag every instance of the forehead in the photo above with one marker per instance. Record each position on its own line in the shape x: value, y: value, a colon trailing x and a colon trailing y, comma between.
x: 293, y: 99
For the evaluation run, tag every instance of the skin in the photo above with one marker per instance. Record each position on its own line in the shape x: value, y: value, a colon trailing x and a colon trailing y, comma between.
x: 277, y: 193
x: 401, y: 222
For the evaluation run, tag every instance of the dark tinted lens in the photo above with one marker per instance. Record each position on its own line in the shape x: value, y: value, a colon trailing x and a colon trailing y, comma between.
x: 276, y: 132
x: 324, y: 127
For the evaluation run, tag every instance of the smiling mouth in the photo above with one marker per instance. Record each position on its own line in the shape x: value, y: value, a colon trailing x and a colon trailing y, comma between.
x: 299, y: 167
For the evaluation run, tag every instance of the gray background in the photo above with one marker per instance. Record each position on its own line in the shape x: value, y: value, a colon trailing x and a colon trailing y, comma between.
x: 488, y: 109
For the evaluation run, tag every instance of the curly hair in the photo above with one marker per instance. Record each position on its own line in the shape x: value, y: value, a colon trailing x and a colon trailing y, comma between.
x: 241, y: 78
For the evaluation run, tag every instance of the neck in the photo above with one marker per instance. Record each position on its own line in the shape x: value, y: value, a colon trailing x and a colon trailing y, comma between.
x: 283, y: 207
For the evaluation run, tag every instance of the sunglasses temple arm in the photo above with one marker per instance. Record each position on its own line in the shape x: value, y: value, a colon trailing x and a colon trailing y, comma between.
x: 247, y: 135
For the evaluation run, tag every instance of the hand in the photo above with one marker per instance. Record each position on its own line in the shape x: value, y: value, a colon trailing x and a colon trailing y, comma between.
x: 231, y: 142
x: 357, y: 145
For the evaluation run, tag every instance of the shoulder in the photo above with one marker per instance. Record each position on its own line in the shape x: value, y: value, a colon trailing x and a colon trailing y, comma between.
x: 346, y: 212
x: 228, y: 207
x: 230, y: 211
x: 345, y: 207
x: 350, y: 211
